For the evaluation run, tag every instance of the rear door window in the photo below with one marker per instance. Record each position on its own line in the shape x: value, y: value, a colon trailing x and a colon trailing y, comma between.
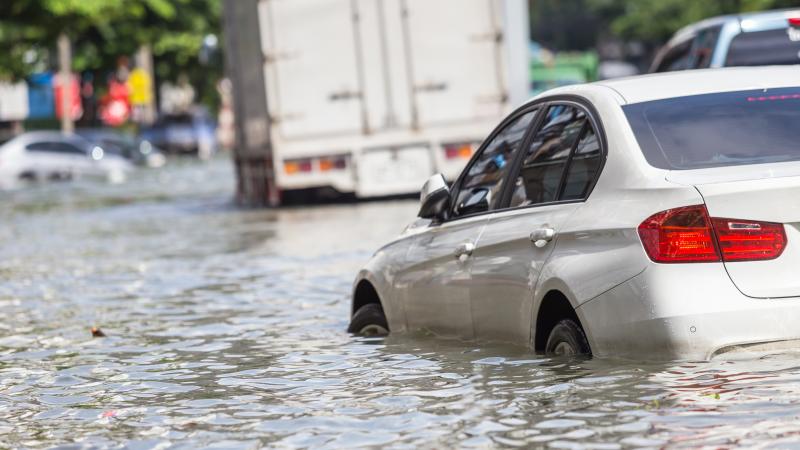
x: 703, y: 47
x: 542, y: 168
x: 584, y: 166
x: 678, y: 57
x: 721, y: 129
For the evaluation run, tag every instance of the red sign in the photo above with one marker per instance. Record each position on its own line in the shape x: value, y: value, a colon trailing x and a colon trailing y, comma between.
x: 116, y: 105
x: 73, y: 96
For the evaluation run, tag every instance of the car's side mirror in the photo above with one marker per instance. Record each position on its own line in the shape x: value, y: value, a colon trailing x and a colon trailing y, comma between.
x: 477, y: 202
x: 434, y: 198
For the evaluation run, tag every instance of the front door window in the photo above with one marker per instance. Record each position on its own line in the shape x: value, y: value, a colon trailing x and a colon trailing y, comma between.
x: 481, y: 185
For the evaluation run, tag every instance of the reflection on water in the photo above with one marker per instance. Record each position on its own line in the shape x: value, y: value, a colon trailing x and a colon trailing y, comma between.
x: 225, y: 329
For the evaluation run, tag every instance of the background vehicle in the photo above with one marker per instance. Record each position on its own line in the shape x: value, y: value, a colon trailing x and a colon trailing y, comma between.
x: 185, y: 133
x: 371, y: 98
x: 756, y: 39
x: 51, y: 155
x: 648, y: 217
x: 562, y: 69
x: 136, y: 150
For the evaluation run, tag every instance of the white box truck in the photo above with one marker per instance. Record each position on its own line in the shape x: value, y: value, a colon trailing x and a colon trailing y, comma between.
x: 371, y: 97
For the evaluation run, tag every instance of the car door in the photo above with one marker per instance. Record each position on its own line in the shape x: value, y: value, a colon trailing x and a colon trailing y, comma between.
x: 38, y: 160
x: 553, y: 175
x: 436, y: 283
x: 51, y: 159
x: 79, y: 161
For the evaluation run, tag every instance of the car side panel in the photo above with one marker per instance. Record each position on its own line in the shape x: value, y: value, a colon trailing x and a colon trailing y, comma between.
x: 382, y: 272
x: 436, y: 284
x: 506, y: 267
x: 598, y: 247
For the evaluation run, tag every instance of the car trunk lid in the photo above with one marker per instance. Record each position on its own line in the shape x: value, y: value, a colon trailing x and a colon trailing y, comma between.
x: 759, y: 193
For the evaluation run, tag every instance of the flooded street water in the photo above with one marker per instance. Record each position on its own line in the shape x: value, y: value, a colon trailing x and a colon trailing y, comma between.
x: 225, y: 329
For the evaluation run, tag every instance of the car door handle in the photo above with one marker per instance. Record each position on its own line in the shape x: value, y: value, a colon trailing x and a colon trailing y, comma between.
x: 542, y: 236
x: 464, y: 250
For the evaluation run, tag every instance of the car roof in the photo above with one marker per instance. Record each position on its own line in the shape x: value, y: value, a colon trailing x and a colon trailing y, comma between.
x: 684, y: 83
x: 752, y: 21
x: 48, y: 135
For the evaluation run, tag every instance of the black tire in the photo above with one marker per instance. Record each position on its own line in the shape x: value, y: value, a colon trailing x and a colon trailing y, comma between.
x: 369, y: 320
x: 567, y: 339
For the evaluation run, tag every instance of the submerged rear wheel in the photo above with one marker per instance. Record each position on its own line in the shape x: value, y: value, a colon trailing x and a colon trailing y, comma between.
x: 369, y: 320
x: 567, y: 339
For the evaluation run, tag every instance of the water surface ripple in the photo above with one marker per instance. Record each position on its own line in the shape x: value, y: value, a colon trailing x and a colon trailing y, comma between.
x: 224, y: 329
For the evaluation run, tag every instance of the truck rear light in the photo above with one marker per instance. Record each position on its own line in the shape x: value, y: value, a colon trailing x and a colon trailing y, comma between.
x: 458, y: 151
x: 321, y: 164
x: 742, y: 240
x: 688, y: 235
x: 794, y: 22
x: 297, y: 166
x: 332, y: 163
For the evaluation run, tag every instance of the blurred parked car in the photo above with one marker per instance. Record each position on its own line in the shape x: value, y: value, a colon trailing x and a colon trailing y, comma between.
x: 755, y: 39
x: 51, y: 155
x: 136, y: 150
x: 185, y: 133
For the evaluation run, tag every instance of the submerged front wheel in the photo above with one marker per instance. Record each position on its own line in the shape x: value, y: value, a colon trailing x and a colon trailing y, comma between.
x: 369, y: 320
x: 567, y: 339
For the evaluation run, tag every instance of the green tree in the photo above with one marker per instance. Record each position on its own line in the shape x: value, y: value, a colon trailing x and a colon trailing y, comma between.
x: 654, y: 21
x: 103, y: 30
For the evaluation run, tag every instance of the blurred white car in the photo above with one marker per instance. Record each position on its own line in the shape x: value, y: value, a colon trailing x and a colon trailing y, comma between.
x: 138, y: 151
x: 51, y: 155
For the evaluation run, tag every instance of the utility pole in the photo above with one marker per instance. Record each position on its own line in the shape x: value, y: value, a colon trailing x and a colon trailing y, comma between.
x: 65, y: 76
x: 517, y: 40
x: 244, y: 65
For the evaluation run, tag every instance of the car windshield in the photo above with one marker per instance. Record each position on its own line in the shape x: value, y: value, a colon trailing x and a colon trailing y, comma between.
x: 747, y: 49
x: 722, y: 129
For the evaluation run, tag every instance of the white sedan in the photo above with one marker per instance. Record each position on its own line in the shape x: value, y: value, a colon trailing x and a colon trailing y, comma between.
x: 51, y: 155
x: 654, y: 216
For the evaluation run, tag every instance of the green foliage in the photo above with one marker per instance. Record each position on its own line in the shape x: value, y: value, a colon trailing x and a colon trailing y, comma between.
x: 103, y: 30
x: 656, y: 20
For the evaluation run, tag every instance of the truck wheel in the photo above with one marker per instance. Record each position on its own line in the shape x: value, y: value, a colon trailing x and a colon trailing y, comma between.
x: 369, y: 320
x: 567, y: 339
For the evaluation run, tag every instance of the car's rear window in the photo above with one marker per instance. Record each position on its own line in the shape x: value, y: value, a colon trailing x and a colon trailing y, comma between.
x: 723, y: 129
x: 764, y: 48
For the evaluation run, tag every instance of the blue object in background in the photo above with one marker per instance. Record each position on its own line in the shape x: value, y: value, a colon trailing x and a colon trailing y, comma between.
x: 41, y: 98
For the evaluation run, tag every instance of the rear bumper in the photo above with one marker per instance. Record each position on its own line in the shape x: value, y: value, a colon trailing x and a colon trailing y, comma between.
x: 686, y: 311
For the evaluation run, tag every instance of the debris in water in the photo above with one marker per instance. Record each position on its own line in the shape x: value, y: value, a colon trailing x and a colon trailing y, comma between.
x: 97, y: 332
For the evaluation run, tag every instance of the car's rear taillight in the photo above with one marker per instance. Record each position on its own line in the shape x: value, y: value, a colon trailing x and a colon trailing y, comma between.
x: 744, y: 240
x: 679, y: 235
x: 688, y: 234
